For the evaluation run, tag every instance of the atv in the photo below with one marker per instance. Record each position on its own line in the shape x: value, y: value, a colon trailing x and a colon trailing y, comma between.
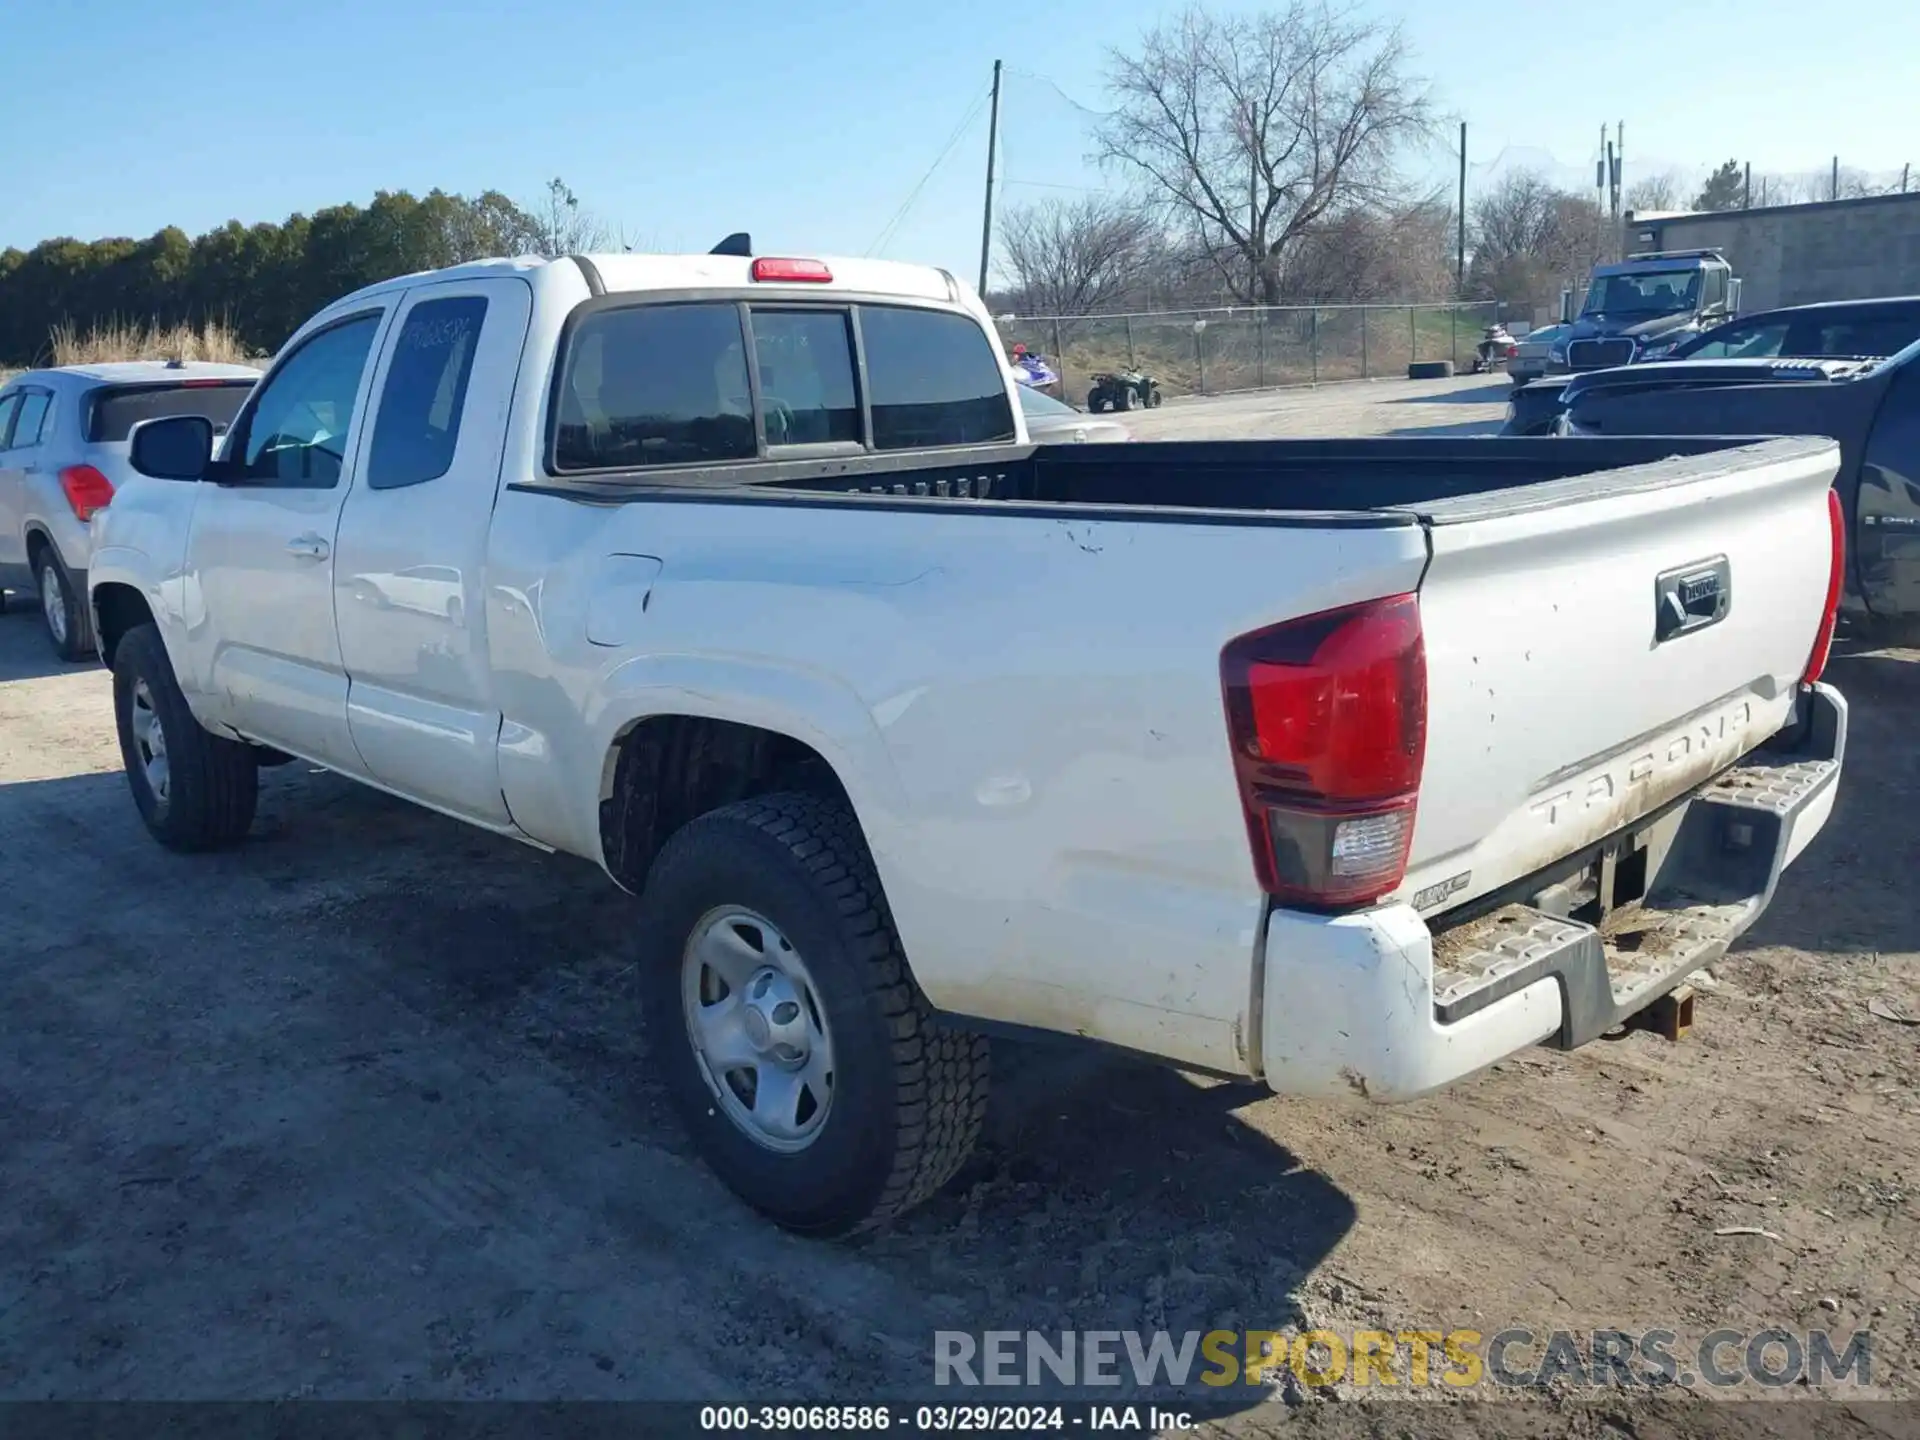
x: 1122, y: 390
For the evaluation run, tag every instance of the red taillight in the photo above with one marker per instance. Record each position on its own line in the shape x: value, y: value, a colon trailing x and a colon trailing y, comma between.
x: 203, y: 384
x: 87, y: 490
x: 811, y: 272
x: 1836, y: 581
x: 1328, y: 721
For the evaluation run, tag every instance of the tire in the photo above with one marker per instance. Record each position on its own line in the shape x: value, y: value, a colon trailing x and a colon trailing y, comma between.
x: 782, y: 890
x: 1430, y: 370
x: 1123, y: 398
x: 69, y: 624
x: 210, y: 787
x: 1153, y: 398
x: 1096, y: 401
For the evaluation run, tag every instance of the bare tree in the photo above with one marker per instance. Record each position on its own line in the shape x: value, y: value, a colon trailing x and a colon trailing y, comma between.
x: 1529, y: 237
x: 562, y: 227
x: 1659, y: 191
x: 1252, y: 128
x: 1074, y: 257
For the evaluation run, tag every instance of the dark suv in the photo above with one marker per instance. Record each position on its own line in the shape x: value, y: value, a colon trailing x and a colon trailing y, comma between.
x: 1836, y: 329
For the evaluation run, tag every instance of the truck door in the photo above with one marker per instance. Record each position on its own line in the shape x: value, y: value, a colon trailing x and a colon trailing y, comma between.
x: 267, y: 662
x: 409, y: 585
x: 1886, y: 528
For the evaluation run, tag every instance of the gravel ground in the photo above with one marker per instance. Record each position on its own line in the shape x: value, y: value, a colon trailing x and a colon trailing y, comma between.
x: 1464, y: 405
x: 363, y: 1110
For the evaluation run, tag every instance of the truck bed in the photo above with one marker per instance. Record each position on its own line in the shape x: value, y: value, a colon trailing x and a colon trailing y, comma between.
x: 1343, y: 482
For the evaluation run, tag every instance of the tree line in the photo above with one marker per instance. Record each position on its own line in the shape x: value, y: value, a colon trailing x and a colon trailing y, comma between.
x: 262, y: 281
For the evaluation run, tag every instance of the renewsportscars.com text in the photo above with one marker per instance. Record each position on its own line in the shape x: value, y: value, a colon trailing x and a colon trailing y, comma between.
x: 1460, y: 1359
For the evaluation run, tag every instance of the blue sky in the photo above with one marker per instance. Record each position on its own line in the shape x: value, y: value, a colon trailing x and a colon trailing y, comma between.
x: 811, y: 125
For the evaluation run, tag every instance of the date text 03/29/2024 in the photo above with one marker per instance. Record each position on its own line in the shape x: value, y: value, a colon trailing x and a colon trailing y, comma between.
x: 942, y: 1419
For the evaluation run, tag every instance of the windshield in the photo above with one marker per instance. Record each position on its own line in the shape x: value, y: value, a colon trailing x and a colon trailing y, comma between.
x: 1042, y: 407
x: 1652, y: 292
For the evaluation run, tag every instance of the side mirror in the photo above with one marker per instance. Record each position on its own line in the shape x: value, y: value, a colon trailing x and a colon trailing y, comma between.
x: 1733, y: 298
x: 179, y: 447
x: 1566, y: 307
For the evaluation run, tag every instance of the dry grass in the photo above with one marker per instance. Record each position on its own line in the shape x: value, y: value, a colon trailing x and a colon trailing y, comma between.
x: 118, y: 340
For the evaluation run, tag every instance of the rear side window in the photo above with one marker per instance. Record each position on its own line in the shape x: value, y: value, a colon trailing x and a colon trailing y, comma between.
x: 655, y: 385
x: 934, y: 380
x: 7, y: 405
x: 30, y: 419
x: 1868, y: 337
x: 113, y: 411
x: 417, y: 424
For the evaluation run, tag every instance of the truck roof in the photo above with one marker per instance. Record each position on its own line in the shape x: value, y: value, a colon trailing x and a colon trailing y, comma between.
x: 620, y: 273
x: 1661, y: 260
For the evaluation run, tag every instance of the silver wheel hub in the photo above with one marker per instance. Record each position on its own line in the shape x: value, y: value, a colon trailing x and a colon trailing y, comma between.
x: 757, y: 1029
x: 53, y: 603
x: 149, y: 739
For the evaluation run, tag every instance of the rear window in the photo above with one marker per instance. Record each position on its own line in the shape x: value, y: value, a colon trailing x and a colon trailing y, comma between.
x: 670, y: 384
x: 115, y: 410
x: 935, y: 380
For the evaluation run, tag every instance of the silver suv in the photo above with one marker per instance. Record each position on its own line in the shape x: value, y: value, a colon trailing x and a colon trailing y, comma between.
x: 63, y: 452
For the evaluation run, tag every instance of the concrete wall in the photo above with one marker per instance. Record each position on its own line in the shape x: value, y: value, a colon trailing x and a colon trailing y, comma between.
x: 1797, y: 254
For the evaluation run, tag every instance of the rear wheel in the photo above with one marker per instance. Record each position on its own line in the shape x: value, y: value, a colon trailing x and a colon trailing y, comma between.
x: 194, y: 790
x: 1096, y: 401
x: 1123, y: 398
x: 69, y: 626
x: 1153, y: 397
x: 795, y: 1045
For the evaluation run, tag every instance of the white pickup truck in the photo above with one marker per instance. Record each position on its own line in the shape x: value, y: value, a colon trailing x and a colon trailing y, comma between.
x: 1346, y: 766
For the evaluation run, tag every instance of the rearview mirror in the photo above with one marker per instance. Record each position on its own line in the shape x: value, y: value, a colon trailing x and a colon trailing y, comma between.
x: 1566, y: 307
x: 1733, y: 297
x: 178, y: 447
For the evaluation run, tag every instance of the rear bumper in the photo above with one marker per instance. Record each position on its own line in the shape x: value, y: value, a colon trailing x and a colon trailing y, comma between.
x: 1357, y: 1004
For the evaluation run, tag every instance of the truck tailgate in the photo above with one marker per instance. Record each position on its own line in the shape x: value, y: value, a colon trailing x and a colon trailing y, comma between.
x: 1602, y: 645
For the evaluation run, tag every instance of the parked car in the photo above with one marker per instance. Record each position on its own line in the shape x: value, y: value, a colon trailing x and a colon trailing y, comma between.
x: 1870, y: 407
x: 63, y: 453
x: 1225, y: 753
x: 1050, y: 421
x: 1530, y: 355
x: 1857, y: 329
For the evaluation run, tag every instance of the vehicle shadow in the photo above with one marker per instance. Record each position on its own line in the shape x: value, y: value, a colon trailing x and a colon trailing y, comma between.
x: 25, y: 653
x: 1491, y: 391
x: 450, y: 1021
x: 1465, y: 428
x: 1850, y: 893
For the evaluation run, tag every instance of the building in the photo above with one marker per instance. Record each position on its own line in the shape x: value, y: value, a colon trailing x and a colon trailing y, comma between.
x: 1798, y: 254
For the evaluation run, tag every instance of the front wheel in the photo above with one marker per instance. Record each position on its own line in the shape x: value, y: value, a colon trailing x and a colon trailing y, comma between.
x: 69, y: 626
x: 795, y: 1045
x: 194, y: 790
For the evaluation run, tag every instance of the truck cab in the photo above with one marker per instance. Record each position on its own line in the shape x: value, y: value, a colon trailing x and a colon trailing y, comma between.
x: 1642, y: 307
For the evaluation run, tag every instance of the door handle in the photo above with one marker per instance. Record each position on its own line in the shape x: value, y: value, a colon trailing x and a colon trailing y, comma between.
x: 307, y: 547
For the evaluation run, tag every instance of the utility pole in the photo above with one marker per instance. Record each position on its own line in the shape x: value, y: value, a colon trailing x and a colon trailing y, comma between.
x: 1460, y: 252
x: 1903, y: 179
x: 1833, y: 186
x: 1746, y: 193
x: 986, y: 219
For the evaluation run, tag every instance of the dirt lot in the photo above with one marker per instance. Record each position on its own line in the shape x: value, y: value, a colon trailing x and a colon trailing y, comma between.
x: 1465, y: 405
x: 363, y: 1110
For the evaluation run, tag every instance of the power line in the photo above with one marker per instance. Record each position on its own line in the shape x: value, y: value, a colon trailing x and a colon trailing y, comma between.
x: 1054, y: 86
x: 886, y: 235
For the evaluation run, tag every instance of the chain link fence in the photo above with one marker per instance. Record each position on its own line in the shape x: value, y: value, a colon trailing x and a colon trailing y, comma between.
x: 1214, y: 352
